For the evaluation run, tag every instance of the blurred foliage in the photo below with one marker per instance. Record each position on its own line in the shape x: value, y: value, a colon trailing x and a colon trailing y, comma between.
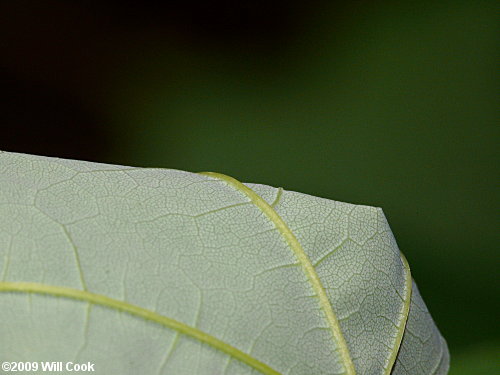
x: 392, y: 104
x: 483, y: 359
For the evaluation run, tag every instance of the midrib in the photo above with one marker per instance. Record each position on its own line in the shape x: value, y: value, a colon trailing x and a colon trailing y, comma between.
x: 304, y: 261
x: 99, y: 299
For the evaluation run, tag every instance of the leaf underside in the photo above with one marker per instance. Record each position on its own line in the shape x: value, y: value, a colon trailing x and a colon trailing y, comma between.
x: 158, y: 271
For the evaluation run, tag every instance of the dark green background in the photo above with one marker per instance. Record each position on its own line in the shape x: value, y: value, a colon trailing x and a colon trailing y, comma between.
x: 391, y: 104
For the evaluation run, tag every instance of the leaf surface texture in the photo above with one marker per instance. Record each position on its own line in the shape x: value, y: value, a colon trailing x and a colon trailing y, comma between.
x: 158, y: 271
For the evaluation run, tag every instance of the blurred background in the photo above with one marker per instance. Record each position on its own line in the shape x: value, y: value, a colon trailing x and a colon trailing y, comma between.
x: 386, y: 103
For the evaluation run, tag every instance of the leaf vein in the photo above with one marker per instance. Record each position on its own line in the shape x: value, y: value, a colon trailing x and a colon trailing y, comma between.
x: 102, y: 300
x: 304, y: 260
x: 405, y: 312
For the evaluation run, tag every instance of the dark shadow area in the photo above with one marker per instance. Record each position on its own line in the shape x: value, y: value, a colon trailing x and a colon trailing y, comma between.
x: 41, y: 120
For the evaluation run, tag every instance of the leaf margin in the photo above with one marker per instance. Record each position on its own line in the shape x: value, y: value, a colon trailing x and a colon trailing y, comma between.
x: 303, y: 259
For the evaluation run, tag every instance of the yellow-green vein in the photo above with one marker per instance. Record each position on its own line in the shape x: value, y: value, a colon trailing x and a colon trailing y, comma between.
x: 278, y: 197
x: 304, y: 261
x: 99, y: 299
x: 405, y: 312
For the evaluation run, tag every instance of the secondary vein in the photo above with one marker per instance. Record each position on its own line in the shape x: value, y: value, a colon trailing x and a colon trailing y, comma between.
x: 304, y: 260
x: 405, y: 312
x: 99, y: 299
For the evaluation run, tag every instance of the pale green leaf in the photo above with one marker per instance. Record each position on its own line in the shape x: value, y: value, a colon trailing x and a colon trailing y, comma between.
x: 157, y: 271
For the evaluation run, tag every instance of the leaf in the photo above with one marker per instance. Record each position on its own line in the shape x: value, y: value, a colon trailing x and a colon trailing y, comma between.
x: 157, y: 271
